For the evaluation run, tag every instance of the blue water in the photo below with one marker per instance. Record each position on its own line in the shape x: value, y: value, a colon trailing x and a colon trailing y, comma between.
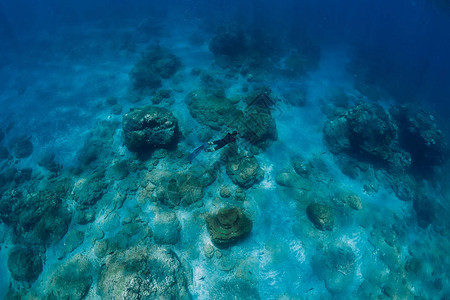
x: 67, y: 82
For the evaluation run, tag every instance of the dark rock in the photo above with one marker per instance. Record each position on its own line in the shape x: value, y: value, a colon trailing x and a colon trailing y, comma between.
x: 420, y: 136
x: 116, y: 109
x: 71, y: 280
x: 155, y: 64
x: 22, y: 147
x: 143, y: 273
x: 87, y: 191
x: 41, y: 216
x: 228, y: 226
x: 4, y: 153
x: 244, y: 170
x: 149, y: 128
x: 24, y: 264
x: 47, y: 160
x: 321, y: 216
x: 228, y: 40
x: 161, y: 95
x: 366, y: 128
x: 425, y: 210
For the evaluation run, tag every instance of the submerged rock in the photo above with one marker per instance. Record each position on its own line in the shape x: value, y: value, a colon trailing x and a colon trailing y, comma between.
x: 420, y: 136
x: 143, y: 273
x: 212, y: 108
x: 244, y: 170
x: 24, y: 264
x: 71, y: 280
x: 22, y: 147
x: 149, y: 128
x: 321, y: 216
x: 166, y: 227
x: 156, y: 63
x: 228, y: 226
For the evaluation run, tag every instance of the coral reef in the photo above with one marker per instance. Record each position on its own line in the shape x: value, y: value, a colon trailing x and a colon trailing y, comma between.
x: 143, y: 273
x: 227, y: 226
x: 149, y: 128
x: 244, y: 170
x: 70, y: 280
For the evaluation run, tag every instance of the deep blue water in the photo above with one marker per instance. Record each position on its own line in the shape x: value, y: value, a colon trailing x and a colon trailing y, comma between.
x: 66, y: 67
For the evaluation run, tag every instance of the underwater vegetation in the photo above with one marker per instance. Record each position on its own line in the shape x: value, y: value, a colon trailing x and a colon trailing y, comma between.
x: 332, y: 187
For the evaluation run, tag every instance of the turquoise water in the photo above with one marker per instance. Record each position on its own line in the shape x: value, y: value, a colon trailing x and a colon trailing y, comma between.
x: 335, y: 188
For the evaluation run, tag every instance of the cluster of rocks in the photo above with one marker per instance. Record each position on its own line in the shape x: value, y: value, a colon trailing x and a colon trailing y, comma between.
x: 400, y: 139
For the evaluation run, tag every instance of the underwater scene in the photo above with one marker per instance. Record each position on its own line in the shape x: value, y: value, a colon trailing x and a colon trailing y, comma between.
x: 253, y: 149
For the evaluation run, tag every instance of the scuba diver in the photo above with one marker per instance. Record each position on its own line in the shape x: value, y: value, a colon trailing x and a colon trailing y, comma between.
x: 214, y: 145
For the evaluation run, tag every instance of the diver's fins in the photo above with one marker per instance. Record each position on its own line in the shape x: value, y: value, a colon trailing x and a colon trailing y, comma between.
x: 196, y: 152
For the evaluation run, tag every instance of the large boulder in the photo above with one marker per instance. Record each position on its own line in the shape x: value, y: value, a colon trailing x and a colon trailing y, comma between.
x: 227, y: 226
x: 320, y: 215
x: 149, y: 128
x: 420, y: 136
x: 143, y: 273
x: 244, y: 170
x: 24, y: 264
x: 71, y: 280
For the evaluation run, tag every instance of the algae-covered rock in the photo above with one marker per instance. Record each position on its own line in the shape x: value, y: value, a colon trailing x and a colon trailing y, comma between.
x: 244, y: 170
x: 212, y: 108
x: 166, y: 227
x: 71, y: 280
x: 143, y: 273
x: 24, y: 264
x: 182, y: 188
x: 227, y: 226
x: 149, y: 128
x: 320, y: 215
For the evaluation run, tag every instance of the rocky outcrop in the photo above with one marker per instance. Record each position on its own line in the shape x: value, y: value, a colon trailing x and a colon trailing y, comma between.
x: 149, y: 128
x: 24, y: 264
x: 321, y: 216
x: 227, y: 226
x: 420, y: 136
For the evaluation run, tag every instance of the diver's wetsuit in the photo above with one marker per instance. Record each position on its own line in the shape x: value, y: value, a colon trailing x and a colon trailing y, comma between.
x: 229, y: 138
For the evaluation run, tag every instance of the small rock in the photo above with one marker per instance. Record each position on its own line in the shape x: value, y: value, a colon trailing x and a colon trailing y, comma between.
x: 353, y: 201
x: 208, y: 250
x: 225, y: 192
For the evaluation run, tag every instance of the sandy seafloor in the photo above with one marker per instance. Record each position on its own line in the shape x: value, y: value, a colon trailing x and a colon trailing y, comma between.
x: 64, y: 79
